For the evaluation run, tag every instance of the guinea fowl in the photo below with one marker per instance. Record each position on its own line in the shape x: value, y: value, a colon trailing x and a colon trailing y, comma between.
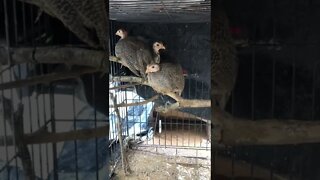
x: 165, y: 77
x: 157, y: 46
x: 225, y: 63
x: 133, y: 53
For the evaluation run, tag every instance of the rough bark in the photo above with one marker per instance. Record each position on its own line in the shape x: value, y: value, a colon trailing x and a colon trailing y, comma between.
x: 239, y: 131
x: 69, y: 55
x: 49, y: 137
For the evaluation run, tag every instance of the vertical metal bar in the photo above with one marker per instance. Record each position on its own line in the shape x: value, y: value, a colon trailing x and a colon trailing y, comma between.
x: 42, y: 90
x: 15, y: 22
x: 24, y: 25
x: 31, y: 123
x: 39, y: 126
x: 95, y: 125
x: 6, y: 20
x: 74, y: 128
x: 253, y: 91
x: 273, y: 81
x: 45, y: 119
x: 233, y: 151
x: 314, y: 84
x: 5, y: 129
x: 28, y: 70
x: 293, y: 85
x: 36, y: 89
x: 53, y: 129
x: 253, y: 83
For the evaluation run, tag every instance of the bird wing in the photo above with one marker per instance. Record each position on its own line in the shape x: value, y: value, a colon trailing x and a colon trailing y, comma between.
x: 173, y: 77
x: 127, y: 52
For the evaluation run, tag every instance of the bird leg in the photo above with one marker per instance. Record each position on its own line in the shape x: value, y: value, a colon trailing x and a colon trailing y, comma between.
x: 115, y: 59
x: 222, y: 99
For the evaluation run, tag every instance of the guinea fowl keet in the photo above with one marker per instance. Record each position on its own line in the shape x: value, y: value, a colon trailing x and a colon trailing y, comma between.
x: 133, y: 53
x: 165, y: 77
x: 157, y: 46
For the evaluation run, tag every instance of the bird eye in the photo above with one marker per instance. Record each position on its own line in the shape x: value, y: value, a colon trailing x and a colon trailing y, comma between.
x: 157, y: 44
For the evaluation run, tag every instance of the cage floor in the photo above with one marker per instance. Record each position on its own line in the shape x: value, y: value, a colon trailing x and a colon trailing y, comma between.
x: 147, y: 164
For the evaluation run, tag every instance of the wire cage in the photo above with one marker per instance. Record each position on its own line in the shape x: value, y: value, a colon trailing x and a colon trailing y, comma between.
x: 46, y: 114
x: 186, y: 36
x: 278, y: 78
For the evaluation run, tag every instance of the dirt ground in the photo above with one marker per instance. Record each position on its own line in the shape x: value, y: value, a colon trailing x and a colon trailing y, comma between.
x: 145, y: 165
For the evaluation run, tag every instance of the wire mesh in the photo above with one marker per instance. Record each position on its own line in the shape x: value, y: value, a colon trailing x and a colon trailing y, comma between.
x: 278, y: 78
x: 55, y: 107
x: 186, y: 11
x: 186, y: 34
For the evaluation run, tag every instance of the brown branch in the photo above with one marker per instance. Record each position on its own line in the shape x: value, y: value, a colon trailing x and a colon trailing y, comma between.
x: 55, y: 55
x: 44, y: 79
x: 129, y: 79
x: 123, y: 86
x: 176, y: 114
x: 48, y: 137
x: 181, y: 103
x: 136, y: 103
x: 239, y: 131
x: 185, y: 103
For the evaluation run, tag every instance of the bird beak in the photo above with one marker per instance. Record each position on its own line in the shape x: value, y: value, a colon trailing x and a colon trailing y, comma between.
x: 164, y: 47
x: 147, y: 70
x: 184, y: 72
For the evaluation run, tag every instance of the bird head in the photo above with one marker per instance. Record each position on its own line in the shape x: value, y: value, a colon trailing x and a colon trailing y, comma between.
x: 157, y: 46
x: 152, y: 68
x: 122, y: 33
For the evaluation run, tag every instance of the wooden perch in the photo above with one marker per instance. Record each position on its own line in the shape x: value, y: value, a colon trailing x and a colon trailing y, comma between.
x: 123, y: 86
x: 48, y: 137
x: 185, y: 103
x: 176, y: 114
x: 239, y: 131
x: 44, y: 79
x: 136, y: 103
x: 55, y: 55
x: 131, y: 79
x: 181, y: 103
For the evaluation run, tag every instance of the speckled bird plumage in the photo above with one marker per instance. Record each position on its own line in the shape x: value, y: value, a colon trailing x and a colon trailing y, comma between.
x: 134, y: 54
x: 79, y: 16
x: 168, y: 79
x: 224, y: 68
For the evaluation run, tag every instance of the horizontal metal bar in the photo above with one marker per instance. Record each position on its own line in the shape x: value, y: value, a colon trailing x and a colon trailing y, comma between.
x: 83, y: 120
x: 158, y: 2
x: 208, y: 148
x: 138, y: 10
